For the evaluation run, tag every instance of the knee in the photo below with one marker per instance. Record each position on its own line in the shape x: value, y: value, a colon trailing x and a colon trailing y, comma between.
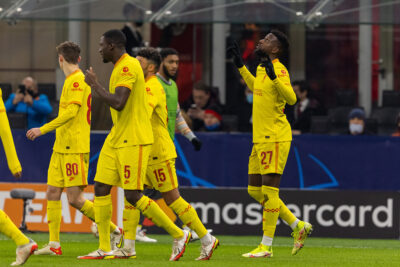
x: 270, y: 192
x: 256, y: 193
x: 77, y: 203
x: 53, y: 193
x: 133, y: 196
x: 101, y: 190
x: 171, y: 196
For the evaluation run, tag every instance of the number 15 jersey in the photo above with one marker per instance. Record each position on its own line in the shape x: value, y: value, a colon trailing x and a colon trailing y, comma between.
x: 74, y: 136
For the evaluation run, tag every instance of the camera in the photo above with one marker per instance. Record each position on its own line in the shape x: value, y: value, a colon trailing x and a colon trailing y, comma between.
x: 22, y: 88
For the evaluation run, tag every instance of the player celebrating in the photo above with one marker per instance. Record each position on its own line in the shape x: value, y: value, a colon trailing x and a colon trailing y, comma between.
x: 167, y: 72
x: 161, y: 173
x: 271, y: 137
x: 25, y: 246
x: 124, y: 156
x: 69, y: 162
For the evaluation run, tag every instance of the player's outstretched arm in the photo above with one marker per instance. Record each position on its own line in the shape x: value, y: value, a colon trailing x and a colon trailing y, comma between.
x: 117, y: 101
x: 282, y: 83
x: 184, y: 129
x: 69, y: 114
x: 8, y: 143
x: 234, y: 51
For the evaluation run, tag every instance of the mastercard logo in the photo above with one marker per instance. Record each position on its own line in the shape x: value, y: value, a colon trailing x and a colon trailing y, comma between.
x: 76, y: 84
x: 125, y: 69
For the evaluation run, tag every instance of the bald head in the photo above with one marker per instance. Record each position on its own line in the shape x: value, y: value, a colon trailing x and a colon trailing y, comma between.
x: 30, y: 84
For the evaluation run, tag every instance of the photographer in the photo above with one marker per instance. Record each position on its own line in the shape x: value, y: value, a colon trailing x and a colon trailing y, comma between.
x: 27, y: 100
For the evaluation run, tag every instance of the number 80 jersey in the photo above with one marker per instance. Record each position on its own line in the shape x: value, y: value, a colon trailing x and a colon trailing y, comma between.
x: 74, y: 136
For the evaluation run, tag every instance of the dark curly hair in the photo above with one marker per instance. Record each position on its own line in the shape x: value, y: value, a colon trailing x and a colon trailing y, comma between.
x: 150, y: 54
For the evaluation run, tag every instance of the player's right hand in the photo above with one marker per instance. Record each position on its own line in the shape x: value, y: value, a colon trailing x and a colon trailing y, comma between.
x: 17, y: 175
x: 234, y: 51
x: 18, y: 98
x: 33, y: 133
x: 90, y: 77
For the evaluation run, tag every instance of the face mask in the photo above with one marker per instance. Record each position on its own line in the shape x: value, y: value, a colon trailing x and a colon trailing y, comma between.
x: 249, y: 98
x: 212, y: 127
x: 356, y: 128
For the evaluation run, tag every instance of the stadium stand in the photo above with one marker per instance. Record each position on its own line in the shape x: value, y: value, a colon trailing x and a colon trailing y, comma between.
x: 386, y: 117
x: 6, y: 88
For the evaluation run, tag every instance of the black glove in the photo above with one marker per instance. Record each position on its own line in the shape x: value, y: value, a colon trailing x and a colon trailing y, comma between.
x: 269, y: 68
x: 234, y: 51
x: 196, y: 143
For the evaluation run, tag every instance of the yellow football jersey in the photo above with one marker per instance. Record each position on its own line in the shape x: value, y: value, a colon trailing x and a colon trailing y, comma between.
x: 163, y: 148
x: 131, y: 124
x: 6, y: 137
x: 74, y: 136
x: 269, y: 100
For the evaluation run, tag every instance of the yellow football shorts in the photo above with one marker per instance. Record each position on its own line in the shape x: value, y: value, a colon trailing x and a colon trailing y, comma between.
x: 124, y: 167
x: 162, y: 176
x: 269, y: 158
x: 67, y: 170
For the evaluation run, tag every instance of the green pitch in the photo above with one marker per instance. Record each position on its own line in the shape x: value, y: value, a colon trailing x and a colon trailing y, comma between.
x: 317, y: 252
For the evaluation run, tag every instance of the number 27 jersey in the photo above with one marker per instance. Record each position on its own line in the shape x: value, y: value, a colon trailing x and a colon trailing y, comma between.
x: 74, y: 136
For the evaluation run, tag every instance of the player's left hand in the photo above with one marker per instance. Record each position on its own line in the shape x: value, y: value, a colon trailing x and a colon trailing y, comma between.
x: 269, y: 68
x: 17, y: 175
x: 33, y: 133
x: 90, y: 77
x: 196, y: 143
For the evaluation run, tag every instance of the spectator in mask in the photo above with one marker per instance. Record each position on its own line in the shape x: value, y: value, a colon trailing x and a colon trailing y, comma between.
x: 397, y: 133
x: 357, y: 122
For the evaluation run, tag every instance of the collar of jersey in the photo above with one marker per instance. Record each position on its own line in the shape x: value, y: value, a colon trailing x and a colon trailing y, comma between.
x: 151, y: 77
x: 75, y: 72
x: 162, y: 78
x: 275, y: 60
x: 120, y: 59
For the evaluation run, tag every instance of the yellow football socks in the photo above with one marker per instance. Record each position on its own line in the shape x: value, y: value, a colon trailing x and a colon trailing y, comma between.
x: 130, y: 220
x: 103, y: 211
x: 153, y: 212
x: 8, y: 228
x: 188, y: 216
x: 54, y: 219
x: 88, y: 210
x: 256, y: 193
x: 286, y: 214
x: 271, y: 210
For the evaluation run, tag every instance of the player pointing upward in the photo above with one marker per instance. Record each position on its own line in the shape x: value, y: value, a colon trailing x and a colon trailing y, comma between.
x: 271, y: 137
